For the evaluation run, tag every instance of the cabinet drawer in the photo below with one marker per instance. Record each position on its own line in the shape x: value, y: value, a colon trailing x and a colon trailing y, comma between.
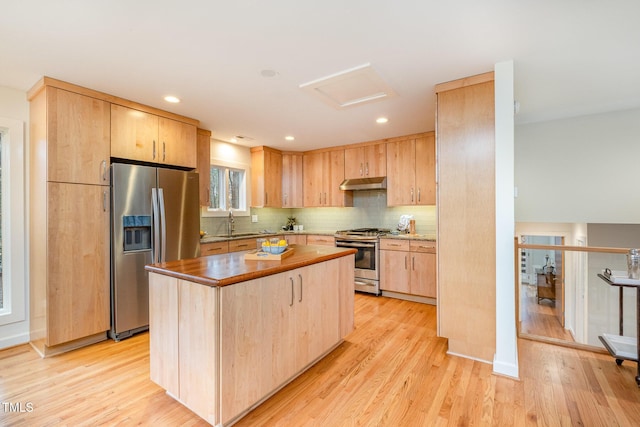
x: 423, y: 246
x: 214, y: 248
x: 394, y: 245
x: 317, y: 239
x: 242, y: 245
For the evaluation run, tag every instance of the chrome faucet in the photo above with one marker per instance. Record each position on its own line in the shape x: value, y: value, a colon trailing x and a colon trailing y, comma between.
x: 230, y: 224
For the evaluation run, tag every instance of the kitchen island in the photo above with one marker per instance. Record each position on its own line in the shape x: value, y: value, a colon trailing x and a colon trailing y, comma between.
x: 226, y: 333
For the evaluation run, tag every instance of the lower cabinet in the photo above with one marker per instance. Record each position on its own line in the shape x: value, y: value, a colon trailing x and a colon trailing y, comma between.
x: 221, y: 351
x: 296, y: 239
x: 408, y: 266
x: 70, y: 273
x: 320, y: 239
x: 214, y: 248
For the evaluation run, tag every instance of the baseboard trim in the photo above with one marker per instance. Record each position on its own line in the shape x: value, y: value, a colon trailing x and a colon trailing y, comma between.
x: 14, y: 340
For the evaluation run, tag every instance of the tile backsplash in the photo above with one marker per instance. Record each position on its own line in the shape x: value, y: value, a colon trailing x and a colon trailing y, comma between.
x: 369, y: 210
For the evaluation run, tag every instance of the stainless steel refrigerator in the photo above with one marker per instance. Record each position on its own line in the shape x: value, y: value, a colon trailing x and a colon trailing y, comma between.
x: 154, y: 218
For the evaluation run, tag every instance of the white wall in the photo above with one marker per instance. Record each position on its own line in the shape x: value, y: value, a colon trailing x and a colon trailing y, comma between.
x: 505, y: 360
x: 14, y: 112
x: 579, y: 170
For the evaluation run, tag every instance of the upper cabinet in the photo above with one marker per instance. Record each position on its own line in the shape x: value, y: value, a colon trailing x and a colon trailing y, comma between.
x: 77, y: 145
x: 365, y: 161
x: 292, y: 180
x: 323, y: 172
x: 266, y: 177
x: 138, y: 135
x: 204, y: 165
x: 411, y: 176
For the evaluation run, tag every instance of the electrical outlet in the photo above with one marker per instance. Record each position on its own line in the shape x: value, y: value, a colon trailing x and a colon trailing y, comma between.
x: 254, y: 218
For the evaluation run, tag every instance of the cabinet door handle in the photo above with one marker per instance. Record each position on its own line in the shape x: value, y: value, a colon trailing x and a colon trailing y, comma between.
x: 243, y: 245
x: 361, y: 169
x: 103, y: 166
x: 413, y: 263
x: 291, y: 304
x: 300, y: 277
x: 164, y: 151
x: 154, y: 149
x: 325, y: 198
x: 405, y: 262
x: 418, y: 195
x: 104, y: 201
x: 266, y: 198
x: 366, y: 170
x: 411, y: 194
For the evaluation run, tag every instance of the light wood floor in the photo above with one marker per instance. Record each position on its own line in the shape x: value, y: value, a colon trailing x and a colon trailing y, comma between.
x: 538, y: 318
x: 392, y: 371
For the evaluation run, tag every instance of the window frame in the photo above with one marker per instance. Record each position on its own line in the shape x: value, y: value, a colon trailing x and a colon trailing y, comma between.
x: 245, y: 195
x: 13, y: 222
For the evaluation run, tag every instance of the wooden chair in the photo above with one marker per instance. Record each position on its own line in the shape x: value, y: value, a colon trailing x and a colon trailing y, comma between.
x: 546, y: 285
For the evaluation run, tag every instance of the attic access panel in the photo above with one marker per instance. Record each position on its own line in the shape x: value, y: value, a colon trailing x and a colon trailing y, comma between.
x: 349, y: 88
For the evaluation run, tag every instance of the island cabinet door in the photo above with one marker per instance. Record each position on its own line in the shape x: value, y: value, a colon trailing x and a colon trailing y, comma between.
x: 257, y: 326
x: 317, y: 308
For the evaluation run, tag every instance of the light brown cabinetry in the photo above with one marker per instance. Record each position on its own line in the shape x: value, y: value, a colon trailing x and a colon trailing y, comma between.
x: 365, y: 161
x: 320, y: 239
x: 323, y: 173
x: 266, y: 177
x: 214, y: 248
x: 187, y: 350
x: 408, y: 267
x: 466, y: 215
x: 242, y: 245
x: 292, y: 180
x: 142, y: 136
x: 69, y: 205
x: 296, y: 320
x: 411, y: 177
x: 204, y: 165
x: 296, y: 239
x: 77, y: 138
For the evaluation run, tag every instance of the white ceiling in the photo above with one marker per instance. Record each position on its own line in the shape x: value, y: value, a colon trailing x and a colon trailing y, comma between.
x: 571, y: 57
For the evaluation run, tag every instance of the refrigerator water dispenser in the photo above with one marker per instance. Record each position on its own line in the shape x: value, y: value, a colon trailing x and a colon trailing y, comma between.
x: 137, y: 232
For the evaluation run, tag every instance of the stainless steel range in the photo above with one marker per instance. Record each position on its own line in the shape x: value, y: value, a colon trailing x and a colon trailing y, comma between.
x: 367, y: 243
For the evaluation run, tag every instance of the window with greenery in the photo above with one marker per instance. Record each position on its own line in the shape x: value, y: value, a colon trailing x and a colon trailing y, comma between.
x: 227, y: 188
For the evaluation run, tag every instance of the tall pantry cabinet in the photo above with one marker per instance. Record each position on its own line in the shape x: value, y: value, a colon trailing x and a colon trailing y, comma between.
x: 69, y: 218
x: 466, y: 216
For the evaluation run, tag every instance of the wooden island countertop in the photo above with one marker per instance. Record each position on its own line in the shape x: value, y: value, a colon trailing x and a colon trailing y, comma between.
x: 230, y: 268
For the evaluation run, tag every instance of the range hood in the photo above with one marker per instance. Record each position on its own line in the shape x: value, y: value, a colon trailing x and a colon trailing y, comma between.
x: 377, y: 183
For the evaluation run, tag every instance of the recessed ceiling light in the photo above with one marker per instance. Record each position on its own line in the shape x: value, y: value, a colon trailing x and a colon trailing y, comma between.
x: 233, y: 140
x: 289, y: 138
x: 268, y: 73
x: 172, y: 99
x: 382, y: 120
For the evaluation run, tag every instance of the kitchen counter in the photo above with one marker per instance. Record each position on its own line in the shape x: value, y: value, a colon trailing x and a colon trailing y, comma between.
x: 230, y: 268
x: 211, y: 239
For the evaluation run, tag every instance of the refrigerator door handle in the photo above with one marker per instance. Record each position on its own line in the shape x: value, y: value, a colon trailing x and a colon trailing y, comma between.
x: 155, y: 247
x: 163, y: 227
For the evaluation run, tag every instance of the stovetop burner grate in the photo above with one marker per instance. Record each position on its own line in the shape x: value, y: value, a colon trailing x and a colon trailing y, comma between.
x: 364, y: 232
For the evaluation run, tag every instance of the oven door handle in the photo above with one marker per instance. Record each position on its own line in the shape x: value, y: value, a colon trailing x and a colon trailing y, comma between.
x: 355, y: 245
